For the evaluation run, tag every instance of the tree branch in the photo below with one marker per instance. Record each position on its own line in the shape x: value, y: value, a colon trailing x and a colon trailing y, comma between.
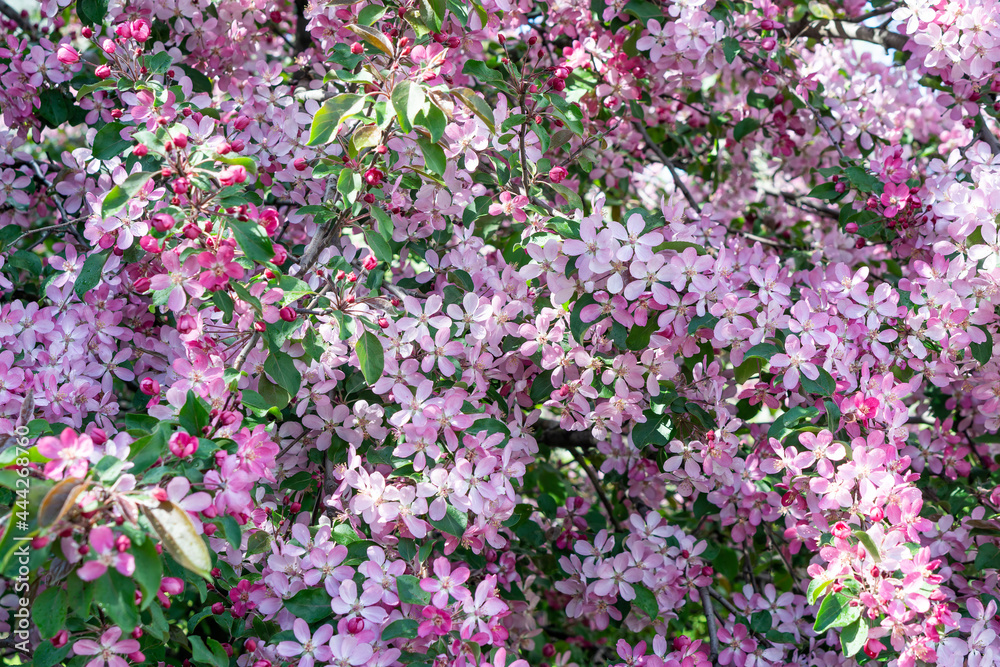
x: 670, y: 165
x: 15, y: 16
x: 837, y: 29
x: 713, y: 630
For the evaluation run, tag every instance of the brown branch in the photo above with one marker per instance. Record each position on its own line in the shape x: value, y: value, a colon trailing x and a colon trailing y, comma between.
x: 987, y: 134
x: 713, y: 631
x: 837, y: 29
x: 16, y: 17
x: 670, y: 165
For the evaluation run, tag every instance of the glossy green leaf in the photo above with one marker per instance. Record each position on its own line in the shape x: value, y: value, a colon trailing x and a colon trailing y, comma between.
x: 330, y: 115
x: 836, y: 612
x: 119, y: 195
x: 371, y: 356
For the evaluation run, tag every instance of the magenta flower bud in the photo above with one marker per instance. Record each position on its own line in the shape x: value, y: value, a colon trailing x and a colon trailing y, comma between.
x: 355, y: 625
x: 877, y: 514
x: 186, y: 324
x: 106, y: 241
x: 40, y: 542
x: 172, y: 586
x: 384, y: 323
x: 124, y: 30
x: 558, y: 174
x: 67, y: 55
x: 149, y: 244
x: 373, y: 176
x: 122, y: 543
x: 141, y: 150
x: 162, y: 222
x: 300, y: 164
x: 61, y: 638
x: 287, y: 314
x: 369, y: 263
x: 182, y: 445
x: 141, y: 285
x: 218, y: 607
x: 181, y: 141
x: 769, y: 43
x: 232, y: 175
x: 140, y: 30
x: 149, y: 386
x: 548, y: 650
x: 181, y: 185
x: 841, y: 530
x: 87, y: 32
x: 228, y: 418
x: 238, y: 145
x: 137, y: 633
x: 851, y: 228
x: 270, y: 221
x: 280, y: 255
x: 357, y: 48
x: 241, y: 123
x: 102, y: 72
x: 262, y: 663
x: 210, y: 512
x: 109, y: 46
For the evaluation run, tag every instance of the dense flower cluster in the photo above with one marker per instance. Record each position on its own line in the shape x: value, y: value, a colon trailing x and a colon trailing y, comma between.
x: 500, y: 333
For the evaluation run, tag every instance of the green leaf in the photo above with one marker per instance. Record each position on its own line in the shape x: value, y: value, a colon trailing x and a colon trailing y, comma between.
x: 646, y: 601
x: 454, y: 522
x: 47, y: 655
x: 119, y: 195
x: 92, y: 12
x: 193, y: 416
x: 28, y: 261
x: 310, y: 604
x: 825, y: 191
x: 373, y: 37
x: 108, y: 142
x: 409, y: 591
x: 731, y: 48
x: 116, y: 596
x: 282, y: 370
x: 371, y: 356
x: 253, y: 240
x: 681, y: 246
x: 199, y: 82
x: 760, y: 622
x: 330, y: 115
x: 571, y: 197
x: 477, y: 104
x: 49, y: 611
x: 567, y: 112
x: 705, y: 321
x: 759, y: 101
x: 90, y: 274
x: 380, y: 247
x: 745, y: 127
x: 983, y: 352
x: 869, y: 543
x: 479, y: 69
x: 653, y: 431
x: 836, y: 612
x: 434, y: 158
x: 761, y: 351
x: 988, y: 557
x: 159, y: 63
x: 148, y: 570
x: 854, y: 637
x: 200, y: 653
x: 246, y: 162
x: 404, y: 627
x: 790, y: 421
x: 408, y: 100
x: 816, y: 589
x: 231, y: 530
x: 824, y: 385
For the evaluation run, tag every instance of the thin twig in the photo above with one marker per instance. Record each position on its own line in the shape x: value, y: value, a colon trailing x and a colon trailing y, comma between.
x: 15, y: 16
x: 670, y: 165
x: 597, y: 487
x: 713, y: 630
x: 987, y: 134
